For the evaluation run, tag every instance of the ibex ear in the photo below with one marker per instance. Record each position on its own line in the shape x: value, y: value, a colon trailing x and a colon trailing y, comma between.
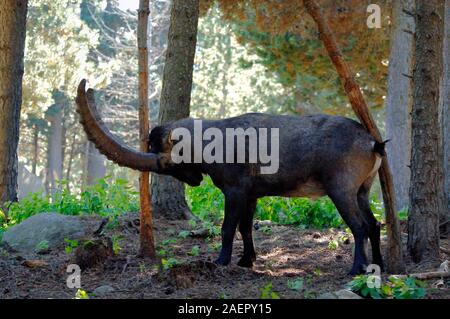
x: 167, y: 142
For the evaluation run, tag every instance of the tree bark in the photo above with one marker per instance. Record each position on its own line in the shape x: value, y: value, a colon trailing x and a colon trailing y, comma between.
x: 445, y: 104
x: 167, y: 193
x: 13, y: 14
x: 426, y: 192
x: 395, y: 257
x: 147, y: 241
x: 399, y: 100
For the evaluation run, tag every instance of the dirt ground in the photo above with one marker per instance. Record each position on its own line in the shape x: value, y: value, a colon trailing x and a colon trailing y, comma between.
x: 285, y: 254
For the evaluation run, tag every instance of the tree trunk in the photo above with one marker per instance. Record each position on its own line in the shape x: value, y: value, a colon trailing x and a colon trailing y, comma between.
x: 96, y: 167
x: 71, y: 156
x: 35, y: 148
x: 147, y: 247
x: 426, y: 192
x: 167, y: 193
x: 395, y: 257
x: 445, y: 104
x: 54, y: 149
x: 13, y: 14
x: 399, y: 100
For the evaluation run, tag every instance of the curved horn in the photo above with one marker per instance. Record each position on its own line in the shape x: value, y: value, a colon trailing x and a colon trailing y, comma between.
x: 105, y: 141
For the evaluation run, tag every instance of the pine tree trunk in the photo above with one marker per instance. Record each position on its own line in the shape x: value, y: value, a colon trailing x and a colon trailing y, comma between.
x: 147, y: 241
x: 168, y: 195
x: 399, y: 100
x: 13, y: 15
x: 445, y: 104
x: 394, y: 247
x: 426, y: 192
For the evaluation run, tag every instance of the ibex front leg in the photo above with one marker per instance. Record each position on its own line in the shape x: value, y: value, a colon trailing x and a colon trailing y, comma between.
x: 235, y: 205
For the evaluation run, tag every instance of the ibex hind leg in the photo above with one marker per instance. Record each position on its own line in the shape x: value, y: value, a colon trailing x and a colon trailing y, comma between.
x: 374, y: 225
x: 347, y: 205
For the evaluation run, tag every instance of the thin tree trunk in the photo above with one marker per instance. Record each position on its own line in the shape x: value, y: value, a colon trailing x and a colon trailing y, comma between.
x: 13, y: 14
x: 70, y: 160
x: 35, y: 148
x: 147, y: 248
x: 395, y: 257
x: 426, y: 192
x: 445, y: 217
x: 54, y: 150
x: 96, y: 168
x: 168, y: 195
x: 399, y: 100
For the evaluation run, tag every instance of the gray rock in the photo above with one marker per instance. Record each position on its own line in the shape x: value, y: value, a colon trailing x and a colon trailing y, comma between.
x: 103, y: 290
x: 341, y: 294
x: 48, y: 228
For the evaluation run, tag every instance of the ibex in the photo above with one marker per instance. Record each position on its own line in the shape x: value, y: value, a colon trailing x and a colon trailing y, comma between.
x: 318, y: 155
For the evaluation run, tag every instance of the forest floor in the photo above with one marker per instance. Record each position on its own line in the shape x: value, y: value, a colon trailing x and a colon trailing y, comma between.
x: 286, y: 254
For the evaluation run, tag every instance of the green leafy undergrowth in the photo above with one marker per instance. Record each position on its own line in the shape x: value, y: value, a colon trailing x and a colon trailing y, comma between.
x: 393, y: 288
x: 108, y: 198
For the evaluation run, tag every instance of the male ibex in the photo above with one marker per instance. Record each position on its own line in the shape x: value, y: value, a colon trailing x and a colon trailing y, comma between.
x: 318, y: 155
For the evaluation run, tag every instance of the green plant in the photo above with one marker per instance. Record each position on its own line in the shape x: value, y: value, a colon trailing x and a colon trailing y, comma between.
x: 81, y: 294
x: 107, y: 198
x: 333, y: 244
x: 161, y: 252
x: 215, y: 246
x: 169, y: 241
x: 116, y: 240
x: 207, y: 203
x: 192, y: 223
x: 195, y: 251
x: 408, y: 288
x: 212, y: 229
x: 43, y: 245
x: 268, y: 293
x: 394, y: 288
x: 296, y: 284
x: 403, y: 214
x: 184, y: 234
x: 169, y: 263
x: 359, y: 285
x: 70, y: 245
x: 223, y: 295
